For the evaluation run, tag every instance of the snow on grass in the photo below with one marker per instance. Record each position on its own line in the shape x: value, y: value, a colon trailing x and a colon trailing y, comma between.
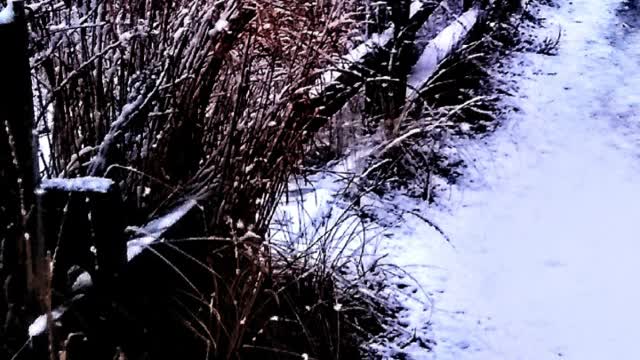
x: 543, y: 227
x: 317, y: 216
x: 543, y: 255
x: 321, y: 219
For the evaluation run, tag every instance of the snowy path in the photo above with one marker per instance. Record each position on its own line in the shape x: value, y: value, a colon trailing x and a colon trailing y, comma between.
x: 546, y: 225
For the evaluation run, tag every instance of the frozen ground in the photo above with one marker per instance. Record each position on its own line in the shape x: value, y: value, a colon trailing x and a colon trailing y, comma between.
x: 544, y: 253
x: 544, y: 261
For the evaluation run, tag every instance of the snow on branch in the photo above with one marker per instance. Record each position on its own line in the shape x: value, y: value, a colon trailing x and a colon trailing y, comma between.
x: 101, y: 161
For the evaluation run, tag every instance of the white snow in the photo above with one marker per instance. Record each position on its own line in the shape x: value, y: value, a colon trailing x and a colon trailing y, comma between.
x: 315, y: 217
x: 222, y: 25
x: 416, y: 5
x: 439, y: 48
x: 7, y: 15
x: 81, y: 184
x: 44, y: 148
x: 82, y: 282
x: 39, y: 325
x: 155, y: 229
x: 544, y: 256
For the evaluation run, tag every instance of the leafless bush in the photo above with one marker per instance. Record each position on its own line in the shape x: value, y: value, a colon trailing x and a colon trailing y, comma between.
x: 208, y: 100
x: 199, y: 100
x: 181, y: 98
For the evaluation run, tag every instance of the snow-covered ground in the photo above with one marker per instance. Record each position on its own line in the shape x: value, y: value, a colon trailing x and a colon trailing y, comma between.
x: 544, y: 226
x: 544, y: 249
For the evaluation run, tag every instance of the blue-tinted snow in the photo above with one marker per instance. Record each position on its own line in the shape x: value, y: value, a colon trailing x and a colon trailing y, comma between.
x: 155, y: 229
x: 81, y: 184
x: 7, y: 15
x: 543, y: 260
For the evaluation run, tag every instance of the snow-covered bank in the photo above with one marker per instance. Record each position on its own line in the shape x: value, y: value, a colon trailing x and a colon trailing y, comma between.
x: 543, y: 262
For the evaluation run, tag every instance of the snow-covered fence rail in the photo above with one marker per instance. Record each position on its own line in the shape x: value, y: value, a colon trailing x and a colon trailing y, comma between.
x: 439, y: 48
x: 436, y: 30
x: 84, y: 227
x: 337, y: 85
x: 82, y: 223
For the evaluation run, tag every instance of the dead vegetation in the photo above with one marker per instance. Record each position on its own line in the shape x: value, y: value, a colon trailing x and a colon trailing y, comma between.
x: 195, y: 98
x: 202, y: 101
x: 461, y: 100
x: 212, y: 102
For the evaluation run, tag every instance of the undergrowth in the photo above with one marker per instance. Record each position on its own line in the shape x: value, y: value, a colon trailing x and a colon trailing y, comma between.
x: 462, y: 100
x: 208, y: 101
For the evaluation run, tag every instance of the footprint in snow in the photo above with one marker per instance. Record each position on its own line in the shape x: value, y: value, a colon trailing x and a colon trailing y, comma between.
x: 554, y: 263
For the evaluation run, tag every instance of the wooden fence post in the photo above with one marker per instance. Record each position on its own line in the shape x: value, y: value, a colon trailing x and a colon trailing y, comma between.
x: 83, y: 224
x: 385, y: 96
x: 16, y: 98
x: 18, y: 180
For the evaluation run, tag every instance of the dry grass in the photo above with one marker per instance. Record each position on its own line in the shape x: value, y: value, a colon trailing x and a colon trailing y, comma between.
x: 461, y: 100
x: 199, y: 100
x: 207, y: 100
x: 194, y: 99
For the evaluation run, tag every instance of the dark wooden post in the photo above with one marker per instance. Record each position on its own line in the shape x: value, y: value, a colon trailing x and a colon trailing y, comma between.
x: 83, y: 224
x: 399, y: 67
x: 378, y: 17
x: 385, y: 96
x: 16, y: 98
x: 18, y: 180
